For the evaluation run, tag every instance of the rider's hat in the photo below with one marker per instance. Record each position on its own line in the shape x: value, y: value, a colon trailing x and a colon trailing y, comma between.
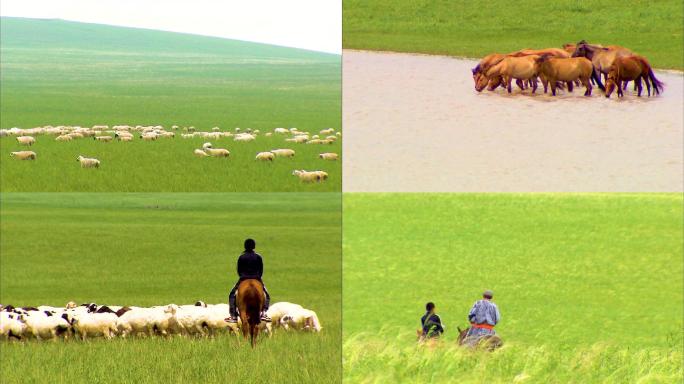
x: 488, y: 293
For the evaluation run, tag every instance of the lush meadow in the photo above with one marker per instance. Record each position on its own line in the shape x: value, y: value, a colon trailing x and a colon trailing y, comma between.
x: 167, y: 164
x: 476, y: 28
x: 56, y: 72
x: 589, y: 286
x: 154, y: 249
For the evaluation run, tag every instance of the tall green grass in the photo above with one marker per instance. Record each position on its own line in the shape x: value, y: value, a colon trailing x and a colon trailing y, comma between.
x: 476, y: 28
x: 164, y: 165
x: 589, y: 286
x: 153, y: 249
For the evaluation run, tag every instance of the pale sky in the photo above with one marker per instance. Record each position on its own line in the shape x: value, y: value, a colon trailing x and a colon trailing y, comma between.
x: 309, y: 24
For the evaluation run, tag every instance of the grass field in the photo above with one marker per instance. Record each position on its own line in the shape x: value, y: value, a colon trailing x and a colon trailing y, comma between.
x: 476, y: 28
x: 166, y: 164
x: 589, y: 286
x: 153, y: 249
x: 56, y: 72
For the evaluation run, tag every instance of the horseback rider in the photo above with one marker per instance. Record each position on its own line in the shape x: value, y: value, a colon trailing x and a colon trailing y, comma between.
x: 483, y: 317
x: 249, y: 266
x: 431, y: 323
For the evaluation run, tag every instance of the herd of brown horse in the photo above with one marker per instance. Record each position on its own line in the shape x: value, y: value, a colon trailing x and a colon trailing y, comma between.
x: 574, y: 64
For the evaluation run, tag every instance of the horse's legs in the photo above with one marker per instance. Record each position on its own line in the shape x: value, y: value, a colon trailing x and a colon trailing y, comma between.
x: 520, y: 84
x: 648, y: 85
x: 508, y: 81
x: 570, y: 84
x: 553, y: 87
x: 534, y: 84
x: 637, y: 85
x: 587, y: 84
x: 597, y: 77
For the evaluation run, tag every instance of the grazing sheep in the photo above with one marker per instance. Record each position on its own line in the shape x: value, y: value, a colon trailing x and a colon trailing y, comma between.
x: 328, y: 156
x: 286, y: 152
x: 314, y: 141
x: 24, y: 155
x: 332, y: 137
x: 12, y: 325
x: 75, y: 135
x: 126, y: 138
x: 268, y: 134
x: 301, y: 319
x: 281, y: 131
x: 187, y: 135
x: 149, y: 137
x: 41, y: 326
x: 216, y: 129
x: 145, y: 321
x: 87, y: 162
x: 63, y: 138
x: 276, y: 311
x: 217, y: 152
x: 95, y: 324
x: 200, y: 153
x: 322, y: 175
x: 244, y: 137
x: 328, y: 131
x: 26, y: 140
x: 306, y: 176
x: 265, y: 156
x: 206, y: 145
x: 103, y: 138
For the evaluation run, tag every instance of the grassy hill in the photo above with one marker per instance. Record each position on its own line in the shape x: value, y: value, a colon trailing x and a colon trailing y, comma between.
x: 589, y: 286
x: 67, y: 73
x: 57, y: 72
x: 476, y: 28
x: 155, y: 249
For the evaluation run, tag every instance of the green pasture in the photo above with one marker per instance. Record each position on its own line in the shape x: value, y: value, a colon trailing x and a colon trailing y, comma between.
x: 476, y: 28
x: 155, y: 249
x: 167, y: 164
x: 589, y: 286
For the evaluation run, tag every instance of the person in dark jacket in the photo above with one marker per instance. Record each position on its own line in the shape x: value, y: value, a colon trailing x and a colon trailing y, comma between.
x: 249, y: 266
x: 431, y: 323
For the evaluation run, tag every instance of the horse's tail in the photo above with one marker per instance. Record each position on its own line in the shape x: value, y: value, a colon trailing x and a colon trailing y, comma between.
x: 657, y: 84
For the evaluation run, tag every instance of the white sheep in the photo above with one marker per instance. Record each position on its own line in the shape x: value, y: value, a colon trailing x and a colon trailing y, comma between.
x: 328, y: 156
x: 26, y: 140
x: 306, y: 176
x: 285, y: 152
x: 87, y: 162
x: 149, y: 137
x: 217, y: 152
x: 268, y: 134
x: 276, y: 311
x: 126, y: 138
x: 281, y: 131
x: 42, y: 326
x: 244, y: 137
x: 265, y: 156
x: 103, y: 138
x: 301, y: 319
x: 75, y: 135
x: 95, y: 324
x: 327, y: 131
x: 145, y: 321
x: 12, y: 325
x: 23, y: 155
x: 63, y: 138
x: 206, y: 145
x: 200, y: 153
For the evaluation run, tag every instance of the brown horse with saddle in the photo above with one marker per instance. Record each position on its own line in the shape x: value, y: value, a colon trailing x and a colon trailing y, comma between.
x: 250, y: 301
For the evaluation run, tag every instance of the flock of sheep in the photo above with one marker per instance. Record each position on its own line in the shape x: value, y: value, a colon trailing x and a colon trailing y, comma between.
x: 125, y: 133
x: 108, y: 321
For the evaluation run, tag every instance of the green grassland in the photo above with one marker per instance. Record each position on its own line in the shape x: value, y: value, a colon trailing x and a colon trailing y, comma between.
x: 154, y: 249
x: 476, y: 28
x: 55, y: 72
x: 167, y: 164
x: 589, y: 286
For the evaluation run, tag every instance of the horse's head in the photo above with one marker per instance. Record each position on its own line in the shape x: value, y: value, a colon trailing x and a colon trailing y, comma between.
x: 462, y: 333
x: 581, y: 50
x: 481, y: 82
x: 611, y: 83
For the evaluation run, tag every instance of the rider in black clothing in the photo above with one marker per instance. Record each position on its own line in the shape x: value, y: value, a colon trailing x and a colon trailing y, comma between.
x: 249, y: 266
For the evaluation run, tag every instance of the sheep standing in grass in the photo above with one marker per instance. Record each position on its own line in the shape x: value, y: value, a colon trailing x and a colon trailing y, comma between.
x: 277, y: 311
x: 200, y: 153
x: 206, y: 145
x: 301, y: 319
x: 308, y: 177
x: 106, y: 139
x: 126, y: 138
x: 286, y: 152
x: 95, y: 324
x: 26, y: 140
x: 63, y: 138
x: 265, y: 156
x: 328, y: 156
x: 149, y: 137
x: 41, y: 326
x: 12, y: 325
x: 244, y: 137
x: 328, y: 131
x: 23, y: 155
x: 217, y: 152
x: 87, y: 162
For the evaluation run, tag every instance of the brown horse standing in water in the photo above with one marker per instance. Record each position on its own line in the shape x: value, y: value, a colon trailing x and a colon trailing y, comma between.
x: 601, y: 58
x: 490, y: 343
x: 553, y: 70
x: 632, y: 68
x: 521, y: 68
x: 250, y: 301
